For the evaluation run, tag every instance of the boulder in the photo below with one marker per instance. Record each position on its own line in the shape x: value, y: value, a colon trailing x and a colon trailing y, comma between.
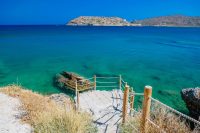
x: 191, y: 96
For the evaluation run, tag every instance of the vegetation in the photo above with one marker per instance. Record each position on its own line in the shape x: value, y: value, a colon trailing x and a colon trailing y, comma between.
x: 46, y: 116
x: 165, y: 120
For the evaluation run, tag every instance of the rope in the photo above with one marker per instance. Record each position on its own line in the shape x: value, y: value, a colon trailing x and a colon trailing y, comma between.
x: 107, y: 77
x: 123, y: 81
x: 155, y: 125
x: 89, y: 78
x: 134, y: 127
x: 134, y: 110
x: 107, y: 86
x: 106, y: 82
x: 177, y: 112
x: 123, y: 86
x: 136, y: 94
x: 139, y: 94
x: 91, y: 82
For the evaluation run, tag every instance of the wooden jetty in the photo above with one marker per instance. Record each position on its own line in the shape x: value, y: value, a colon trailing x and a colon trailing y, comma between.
x: 72, y: 81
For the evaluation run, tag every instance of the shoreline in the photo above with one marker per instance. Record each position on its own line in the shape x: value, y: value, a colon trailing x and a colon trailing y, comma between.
x: 131, y: 26
x: 101, y: 26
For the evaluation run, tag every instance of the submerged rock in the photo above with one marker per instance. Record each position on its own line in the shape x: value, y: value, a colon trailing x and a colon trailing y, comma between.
x: 191, y: 96
x: 167, y: 92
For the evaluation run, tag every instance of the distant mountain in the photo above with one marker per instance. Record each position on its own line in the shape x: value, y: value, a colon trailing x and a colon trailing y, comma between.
x: 176, y: 20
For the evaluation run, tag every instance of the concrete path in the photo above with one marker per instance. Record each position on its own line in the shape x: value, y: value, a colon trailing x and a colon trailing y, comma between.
x: 10, y: 116
x: 105, y: 106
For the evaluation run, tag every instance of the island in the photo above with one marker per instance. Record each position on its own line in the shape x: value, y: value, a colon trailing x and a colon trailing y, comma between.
x: 99, y: 21
x: 169, y: 21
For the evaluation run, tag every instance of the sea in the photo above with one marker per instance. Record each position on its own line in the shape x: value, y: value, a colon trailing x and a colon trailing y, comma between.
x: 166, y: 58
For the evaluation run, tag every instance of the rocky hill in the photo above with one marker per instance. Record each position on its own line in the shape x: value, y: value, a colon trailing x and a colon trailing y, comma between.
x: 176, y: 20
x: 98, y: 21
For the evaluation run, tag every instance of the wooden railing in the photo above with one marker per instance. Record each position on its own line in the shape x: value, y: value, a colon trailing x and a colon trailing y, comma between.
x: 146, y: 105
x: 129, y: 99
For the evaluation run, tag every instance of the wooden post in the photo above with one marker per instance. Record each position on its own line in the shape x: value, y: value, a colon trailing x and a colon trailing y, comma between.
x: 78, y: 100
x: 132, y: 102
x: 125, y: 101
x: 95, y: 82
x: 76, y: 93
x: 146, y: 107
x: 120, y: 82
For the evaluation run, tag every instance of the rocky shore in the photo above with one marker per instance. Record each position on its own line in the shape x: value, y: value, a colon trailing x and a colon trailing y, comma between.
x: 191, y: 96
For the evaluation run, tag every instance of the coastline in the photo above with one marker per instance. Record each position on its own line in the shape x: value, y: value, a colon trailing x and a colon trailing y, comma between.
x: 170, y: 26
x: 166, y: 21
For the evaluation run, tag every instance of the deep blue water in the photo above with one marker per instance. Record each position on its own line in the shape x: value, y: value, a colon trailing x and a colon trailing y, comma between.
x: 166, y: 58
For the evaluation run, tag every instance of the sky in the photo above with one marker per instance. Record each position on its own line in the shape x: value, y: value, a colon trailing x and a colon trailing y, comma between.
x: 38, y: 12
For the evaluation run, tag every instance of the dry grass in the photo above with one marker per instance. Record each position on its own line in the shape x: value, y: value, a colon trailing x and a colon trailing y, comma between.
x: 63, y: 122
x: 167, y: 122
x: 46, y: 116
x: 132, y: 124
x: 33, y: 103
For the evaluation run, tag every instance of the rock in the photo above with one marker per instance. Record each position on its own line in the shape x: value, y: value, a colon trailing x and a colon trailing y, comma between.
x: 62, y: 100
x: 155, y: 78
x: 191, y: 96
x: 167, y: 92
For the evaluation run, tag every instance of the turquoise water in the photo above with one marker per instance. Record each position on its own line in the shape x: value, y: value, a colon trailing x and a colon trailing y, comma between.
x: 166, y: 58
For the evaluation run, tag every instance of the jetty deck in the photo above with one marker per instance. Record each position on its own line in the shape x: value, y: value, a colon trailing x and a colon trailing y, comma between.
x: 106, y: 108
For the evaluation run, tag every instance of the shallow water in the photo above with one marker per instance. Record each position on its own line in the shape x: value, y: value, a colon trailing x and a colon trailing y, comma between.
x: 166, y: 58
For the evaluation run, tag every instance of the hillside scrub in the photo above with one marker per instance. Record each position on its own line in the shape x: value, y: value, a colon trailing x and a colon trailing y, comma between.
x: 166, y: 121
x: 45, y: 116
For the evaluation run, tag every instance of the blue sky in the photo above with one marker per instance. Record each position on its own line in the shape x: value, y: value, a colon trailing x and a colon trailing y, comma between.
x: 61, y: 11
